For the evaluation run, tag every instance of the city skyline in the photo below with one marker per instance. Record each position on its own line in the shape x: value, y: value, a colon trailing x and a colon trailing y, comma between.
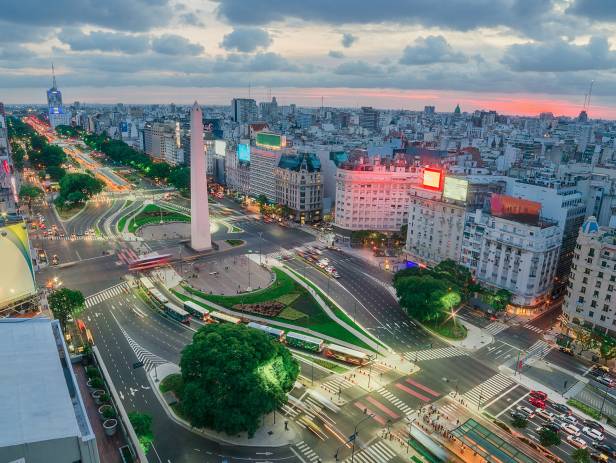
x: 506, y: 55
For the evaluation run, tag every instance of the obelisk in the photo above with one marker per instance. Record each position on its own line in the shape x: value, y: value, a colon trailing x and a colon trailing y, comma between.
x: 200, y: 239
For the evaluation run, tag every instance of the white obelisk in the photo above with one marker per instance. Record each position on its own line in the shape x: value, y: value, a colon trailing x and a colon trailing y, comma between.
x: 200, y: 239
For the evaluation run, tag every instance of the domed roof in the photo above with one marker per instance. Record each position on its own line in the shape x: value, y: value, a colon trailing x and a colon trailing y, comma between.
x: 590, y: 225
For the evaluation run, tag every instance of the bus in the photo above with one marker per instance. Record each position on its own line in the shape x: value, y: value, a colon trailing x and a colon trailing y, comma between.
x: 346, y: 355
x: 196, y: 310
x: 274, y: 332
x: 177, y: 313
x: 146, y: 283
x: 158, y: 296
x: 150, y: 261
x: 222, y: 317
x: 304, y: 341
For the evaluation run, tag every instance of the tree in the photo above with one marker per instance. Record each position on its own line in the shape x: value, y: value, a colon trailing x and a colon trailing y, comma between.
x: 64, y: 302
x: 233, y: 375
x: 142, y: 424
x: 548, y: 437
x: 519, y: 422
x: 584, y: 338
x: 607, y: 348
x: 55, y: 172
x: 49, y: 155
x: 581, y: 456
x: 262, y: 202
x: 77, y: 188
x: 29, y: 193
x: 421, y: 296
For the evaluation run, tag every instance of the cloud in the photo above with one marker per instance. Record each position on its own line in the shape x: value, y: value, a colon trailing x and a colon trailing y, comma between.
x: 192, y: 19
x: 560, y: 56
x: 171, y: 44
x: 598, y: 10
x: 246, y: 39
x: 358, y: 68
x: 134, y: 15
x: 104, y: 41
x: 15, y: 33
x: 348, y: 40
x: 335, y: 54
x: 430, y: 50
x: 15, y: 52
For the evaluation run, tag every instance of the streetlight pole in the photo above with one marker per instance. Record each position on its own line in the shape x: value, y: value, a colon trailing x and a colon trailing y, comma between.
x: 260, y: 242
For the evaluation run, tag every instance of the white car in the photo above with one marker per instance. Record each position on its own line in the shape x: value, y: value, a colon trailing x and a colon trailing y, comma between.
x: 568, y: 419
x: 527, y: 411
x: 548, y: 416
x: 577, y: 442
x: 594, y: 433
x: 570, y: 429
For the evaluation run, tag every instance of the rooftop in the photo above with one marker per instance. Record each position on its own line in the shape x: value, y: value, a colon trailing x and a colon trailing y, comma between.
x: 35, y: 400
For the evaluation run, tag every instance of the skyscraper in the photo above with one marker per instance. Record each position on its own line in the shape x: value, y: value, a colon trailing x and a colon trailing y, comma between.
x: 57, y: 116
x: 244, y: 110
x: 200, y: 239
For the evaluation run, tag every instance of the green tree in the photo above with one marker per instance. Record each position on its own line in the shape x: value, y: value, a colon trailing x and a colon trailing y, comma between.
x: 607, y: 348
x: 142, y: 424
x: 48, y: 155
x: 519, y: 422
x: 262, y: 202
x: 55, y: 172
x: 29, y: 192
x: 232, y: 376
x: 421, y: 296
x: 548, y: 437
x: 581, y: 456
x: 77, y: 188
x: 65, y: 302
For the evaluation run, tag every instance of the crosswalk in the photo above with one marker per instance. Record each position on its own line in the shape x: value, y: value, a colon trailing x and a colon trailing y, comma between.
x: 127, y: 255
x: 433, y: 354
x: 378, y: 452
x: 337, y: 384
x: 75, y: 238
x: 309, y: 454
x: 106, y: 294
x: 404, y: 408
x: 534, y: 328
x: 484, y: 392
x: 496, y: 327
x: 538, y: 350
x: 149, y: 359
x: 452, y: 409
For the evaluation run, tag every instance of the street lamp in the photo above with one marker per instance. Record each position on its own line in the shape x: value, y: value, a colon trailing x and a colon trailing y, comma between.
x: 353, y: 436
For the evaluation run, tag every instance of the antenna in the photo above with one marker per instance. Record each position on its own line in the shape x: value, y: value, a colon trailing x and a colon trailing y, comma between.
x: 53, y: 76
x: 592, y: 82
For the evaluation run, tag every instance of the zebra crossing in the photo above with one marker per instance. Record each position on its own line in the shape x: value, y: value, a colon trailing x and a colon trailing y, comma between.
x: 538, y: 350
x: 496, y: 327
x: 307, y: 452
x: 106, y: 294
x: 127, y: 255
x: 404, y: 408
x: 149, y: 359
x: 484, y: 392
x: 75, y: 238
x: 337, y: 384
x: 433, y: 354
x: 378, y: 452
x: 452, y: 409
x: 534, y: 328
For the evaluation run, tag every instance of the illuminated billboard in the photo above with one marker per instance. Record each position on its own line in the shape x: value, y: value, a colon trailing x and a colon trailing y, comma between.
x: 18, y: 274
x: 271, y: 140
x: 432, y: 179
x: 243, y: 152
x: 220, y: 147
x: 455, y: 188
x: 520, y: 210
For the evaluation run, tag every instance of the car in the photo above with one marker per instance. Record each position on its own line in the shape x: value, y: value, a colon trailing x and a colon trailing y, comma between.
x: 540, y: 404
x: 553, y: 426
x: 526, y: 411
x: 604, y: 448
x: 603, y: 368
x: 591, y: 432
x: 562, y: 408
x: 518, y: 415
x: 577, y: 442
x: 593, y: 424
x: 601, y: 457
x: 548, y: 416
x: 606, y: 380
x: 55, y: 260
x: 570, y: 429
x: 568, y: 419
x: 539, y: 395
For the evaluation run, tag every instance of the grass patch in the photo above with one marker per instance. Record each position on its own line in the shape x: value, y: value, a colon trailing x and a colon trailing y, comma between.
x: 233, y: 242
x: 122, y: 223
x: 235, y: 229
x: 314, y: 317
x: 144, y: 219
x: 448, y: 329
x: 332, y: 366
x: 66, y: 213
x: 288, y: 299
x: 590, y: 411
x: 289, y: 313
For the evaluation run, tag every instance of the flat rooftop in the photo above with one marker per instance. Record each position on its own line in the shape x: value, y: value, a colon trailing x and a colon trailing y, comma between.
x: 35, y: 404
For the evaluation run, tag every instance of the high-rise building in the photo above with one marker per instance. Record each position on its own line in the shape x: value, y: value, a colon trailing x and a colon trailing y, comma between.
x: 162, y: 142
x: 369, y: 118
x: 57, y: 114
x: 299, y: 186
x: 8, y: 179
x: 590, y: 296
x: 244, y: 110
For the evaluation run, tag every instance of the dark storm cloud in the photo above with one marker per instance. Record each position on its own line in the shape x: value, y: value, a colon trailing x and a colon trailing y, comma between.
x: 246, y: 39
x: 104, y: 41
x: 348, y: 40
x: 598, y: 10
x: 560, y: 56
x: 430, y: 50
x: 451, y: 14
x: 133, y: 15
x: 171, y: 44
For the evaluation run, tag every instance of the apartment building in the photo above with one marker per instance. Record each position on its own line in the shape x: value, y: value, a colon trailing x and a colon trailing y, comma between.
x: 262, y: 165
x: 162, y: 142
x: 589, y: 299
x: 299, y: 186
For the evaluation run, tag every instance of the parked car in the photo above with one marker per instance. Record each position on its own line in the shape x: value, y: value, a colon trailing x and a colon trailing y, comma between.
x: 577, y: 442
x: 535, y: 402
x: 539, y: 395
x: 570, y: 429
x: 591, y: 432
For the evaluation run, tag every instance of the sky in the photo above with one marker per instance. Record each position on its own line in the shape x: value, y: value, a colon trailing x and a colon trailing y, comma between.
x: 514, y: 56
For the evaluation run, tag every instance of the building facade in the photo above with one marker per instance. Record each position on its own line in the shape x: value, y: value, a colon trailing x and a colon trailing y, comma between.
x: 162, y: 142
x: 299, y: 186
x: 262, y: 165
x: 590, y: 297
x: 237, y: 173
x: 244, y: 110
x: 56, y: 112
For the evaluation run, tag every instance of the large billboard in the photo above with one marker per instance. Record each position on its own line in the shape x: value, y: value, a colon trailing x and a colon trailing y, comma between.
x: 510, y: 207
x: 270, y: 140
x: 432, y: 179
x: 18, y: 274
x: 243, y: 152
x: 220, y: 146
x: 455, y: 188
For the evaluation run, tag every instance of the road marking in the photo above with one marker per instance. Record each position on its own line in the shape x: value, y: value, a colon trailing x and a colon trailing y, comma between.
x: 412, y: 392
x: 520, y: 399
x: 422, y: 387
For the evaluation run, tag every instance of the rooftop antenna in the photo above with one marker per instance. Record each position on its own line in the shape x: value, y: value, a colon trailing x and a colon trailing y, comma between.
x: 53, y: 76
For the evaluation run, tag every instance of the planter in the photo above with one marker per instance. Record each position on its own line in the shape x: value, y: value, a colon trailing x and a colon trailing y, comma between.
x: 101, y: 410
x: 110, y: 426
x: 97, y: 394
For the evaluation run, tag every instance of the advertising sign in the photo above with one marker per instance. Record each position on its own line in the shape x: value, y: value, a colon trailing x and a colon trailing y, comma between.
x: 18, y: 273
x: 270, y: 140
x: 455, y: 188
x: 433, y: 179
x: 510, y: 207
x: 220, y: 147
x: 243, y: 152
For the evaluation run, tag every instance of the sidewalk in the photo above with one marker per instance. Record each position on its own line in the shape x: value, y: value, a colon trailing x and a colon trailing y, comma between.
x: 476, y: 338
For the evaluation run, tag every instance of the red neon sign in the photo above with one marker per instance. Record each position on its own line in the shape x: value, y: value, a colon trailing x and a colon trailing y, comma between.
x: 5, y: 165
x: 433, y: 179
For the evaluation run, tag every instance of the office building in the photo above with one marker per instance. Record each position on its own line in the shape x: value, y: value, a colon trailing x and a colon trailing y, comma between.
x: 590, y: 296
x: 9, y: 185
x: 57, y: 114
x: 42, y: 416
x: 369, y: 118
x: 162, y: 142
x: 262, y: 165
x: 237, y: 172
x: 244, y: 110
x: 299, y: 186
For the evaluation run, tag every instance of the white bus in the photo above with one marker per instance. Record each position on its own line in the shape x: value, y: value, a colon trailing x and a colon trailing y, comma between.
x: 196, y: 310
x: 158, y: 296
x: 274, y: 332
x: 177, y: 313
x: 146, y: 283
x: 224, y: 318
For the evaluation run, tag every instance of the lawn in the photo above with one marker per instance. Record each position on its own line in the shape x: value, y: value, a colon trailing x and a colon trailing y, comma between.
x: 66, y: 213
x: 234, y: 242
x: 153, y: 214
x: 590, y: 411
x: 332, y: 366
x: 312, y: 316
x: 448, y: 329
